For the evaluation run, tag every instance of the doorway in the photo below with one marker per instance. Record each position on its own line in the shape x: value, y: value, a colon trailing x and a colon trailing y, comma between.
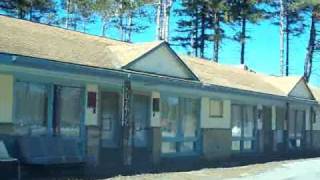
x: 110, y: 128
x: 141, y: 148
x: 267, y: 130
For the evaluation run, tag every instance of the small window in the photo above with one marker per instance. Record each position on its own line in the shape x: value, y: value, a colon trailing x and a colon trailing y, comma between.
x: 216, y: 108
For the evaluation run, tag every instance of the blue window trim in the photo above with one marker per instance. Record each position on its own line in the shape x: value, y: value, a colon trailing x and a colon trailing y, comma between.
x: 179, y: 136
x: 50, y: 91
x: 242, y: 138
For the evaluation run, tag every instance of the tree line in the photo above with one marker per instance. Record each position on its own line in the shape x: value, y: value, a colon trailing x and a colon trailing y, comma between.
x: 202, y: 24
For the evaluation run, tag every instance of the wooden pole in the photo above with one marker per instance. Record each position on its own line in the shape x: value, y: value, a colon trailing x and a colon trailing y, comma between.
x: 127, y: 123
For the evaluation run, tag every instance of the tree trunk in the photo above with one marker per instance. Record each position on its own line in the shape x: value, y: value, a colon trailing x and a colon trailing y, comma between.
x: 310, y: 49
x: 282, y: 14
x: 216, y: 40
x: 158, y: 22
x: 103, y: 27
x: 287, y: 42
x: 196, y: 37
x: 203, y: 30
x: 129, y: 27
x: 243, y: 32
x: 68, y: 14
x: 121, y: 27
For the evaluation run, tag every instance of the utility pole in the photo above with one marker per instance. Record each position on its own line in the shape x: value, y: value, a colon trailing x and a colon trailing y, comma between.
x: 163, y: 17
x: 282, y: 29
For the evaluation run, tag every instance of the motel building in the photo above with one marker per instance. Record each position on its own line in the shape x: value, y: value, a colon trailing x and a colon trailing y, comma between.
x: 67, y: 97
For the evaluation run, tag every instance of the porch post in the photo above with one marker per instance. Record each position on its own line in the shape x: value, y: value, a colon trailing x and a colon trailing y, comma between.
x: 127, y: 123
x: 286, y: 128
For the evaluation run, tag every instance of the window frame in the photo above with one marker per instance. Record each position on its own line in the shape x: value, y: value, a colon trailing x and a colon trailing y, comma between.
x: 179, y: 137
x: 50, y: 106
x: 15, y: 100
x: 242, y: 139
x: 295, y: 130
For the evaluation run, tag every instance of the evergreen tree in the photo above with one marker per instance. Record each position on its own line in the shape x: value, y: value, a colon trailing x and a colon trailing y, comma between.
x: 85, y: 9
x: 192, y: 26
x: 127, y: 15
x: 241, y: 13
x: 313, y: 7
x: 106, y: 10
x: 218, y: 13
x: 33, y: 10
x: 292, y: 24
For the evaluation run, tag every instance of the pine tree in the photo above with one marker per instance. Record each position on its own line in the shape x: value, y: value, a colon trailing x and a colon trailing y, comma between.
x: 314, y: 7
x: 33, y: 10
x: 218, y: 11
x: 192, y: 27
x: 106, y: 10
x: 243, y: 12
x: 126, y: 17
x: 85, y: 9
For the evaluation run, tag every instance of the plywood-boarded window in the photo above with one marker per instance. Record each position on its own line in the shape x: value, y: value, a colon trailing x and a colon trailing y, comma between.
x: 216, y: 108
x: 31, y: 108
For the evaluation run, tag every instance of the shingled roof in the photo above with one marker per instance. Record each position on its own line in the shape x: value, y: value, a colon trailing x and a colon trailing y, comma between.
x: 42, y: 41
x: 48, y: 42
x: 229, y: 76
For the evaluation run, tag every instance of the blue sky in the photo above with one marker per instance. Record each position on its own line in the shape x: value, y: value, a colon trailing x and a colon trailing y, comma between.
x: 262, y: 51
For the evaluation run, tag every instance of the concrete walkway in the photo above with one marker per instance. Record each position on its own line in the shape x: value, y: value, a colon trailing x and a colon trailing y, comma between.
x: 308, y: 169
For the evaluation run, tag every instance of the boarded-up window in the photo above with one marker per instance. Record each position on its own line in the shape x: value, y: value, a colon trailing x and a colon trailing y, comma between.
x: 280, y: 116
x: 300, y: 123
x: 179, y: 124
x: 243, y: 127
x: 292, y: 123
x: 236, y: 120
x: 296, y: 128
x: 170, y: 111
x: 31, y: 108
x: 68, y: 108
x: 216, y: 108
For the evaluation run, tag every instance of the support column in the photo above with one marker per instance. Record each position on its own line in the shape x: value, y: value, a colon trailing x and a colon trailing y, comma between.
x: 91, y: 123
x: 155, y: 126
x: 127, y: 123
x: 286, y: 128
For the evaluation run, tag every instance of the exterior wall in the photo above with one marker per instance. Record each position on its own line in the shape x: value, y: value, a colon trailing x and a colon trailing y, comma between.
x: 216, y: 144
x: 301, y: 90
x: 316, y: 140
x: 154, y: 115
x: 161, y: 58
x: 93, y: 144
x: 6, y: 98
x: 216, y: 131
x: 7, y: 128
x: 91, y: 113
x: 215, y: 122
x: 156, y: 145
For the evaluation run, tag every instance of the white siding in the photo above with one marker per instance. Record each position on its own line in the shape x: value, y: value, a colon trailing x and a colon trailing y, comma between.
x: 215, y: 122
x: 301, y: 91
x: 6, y: 98
x: 163, y: 62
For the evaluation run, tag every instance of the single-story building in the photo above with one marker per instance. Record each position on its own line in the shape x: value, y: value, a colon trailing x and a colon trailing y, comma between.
x: 124, y: 103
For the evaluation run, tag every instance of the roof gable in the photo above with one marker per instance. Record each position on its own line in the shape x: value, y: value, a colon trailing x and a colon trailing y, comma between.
x: 161, y: 60
x: 301, y: 90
